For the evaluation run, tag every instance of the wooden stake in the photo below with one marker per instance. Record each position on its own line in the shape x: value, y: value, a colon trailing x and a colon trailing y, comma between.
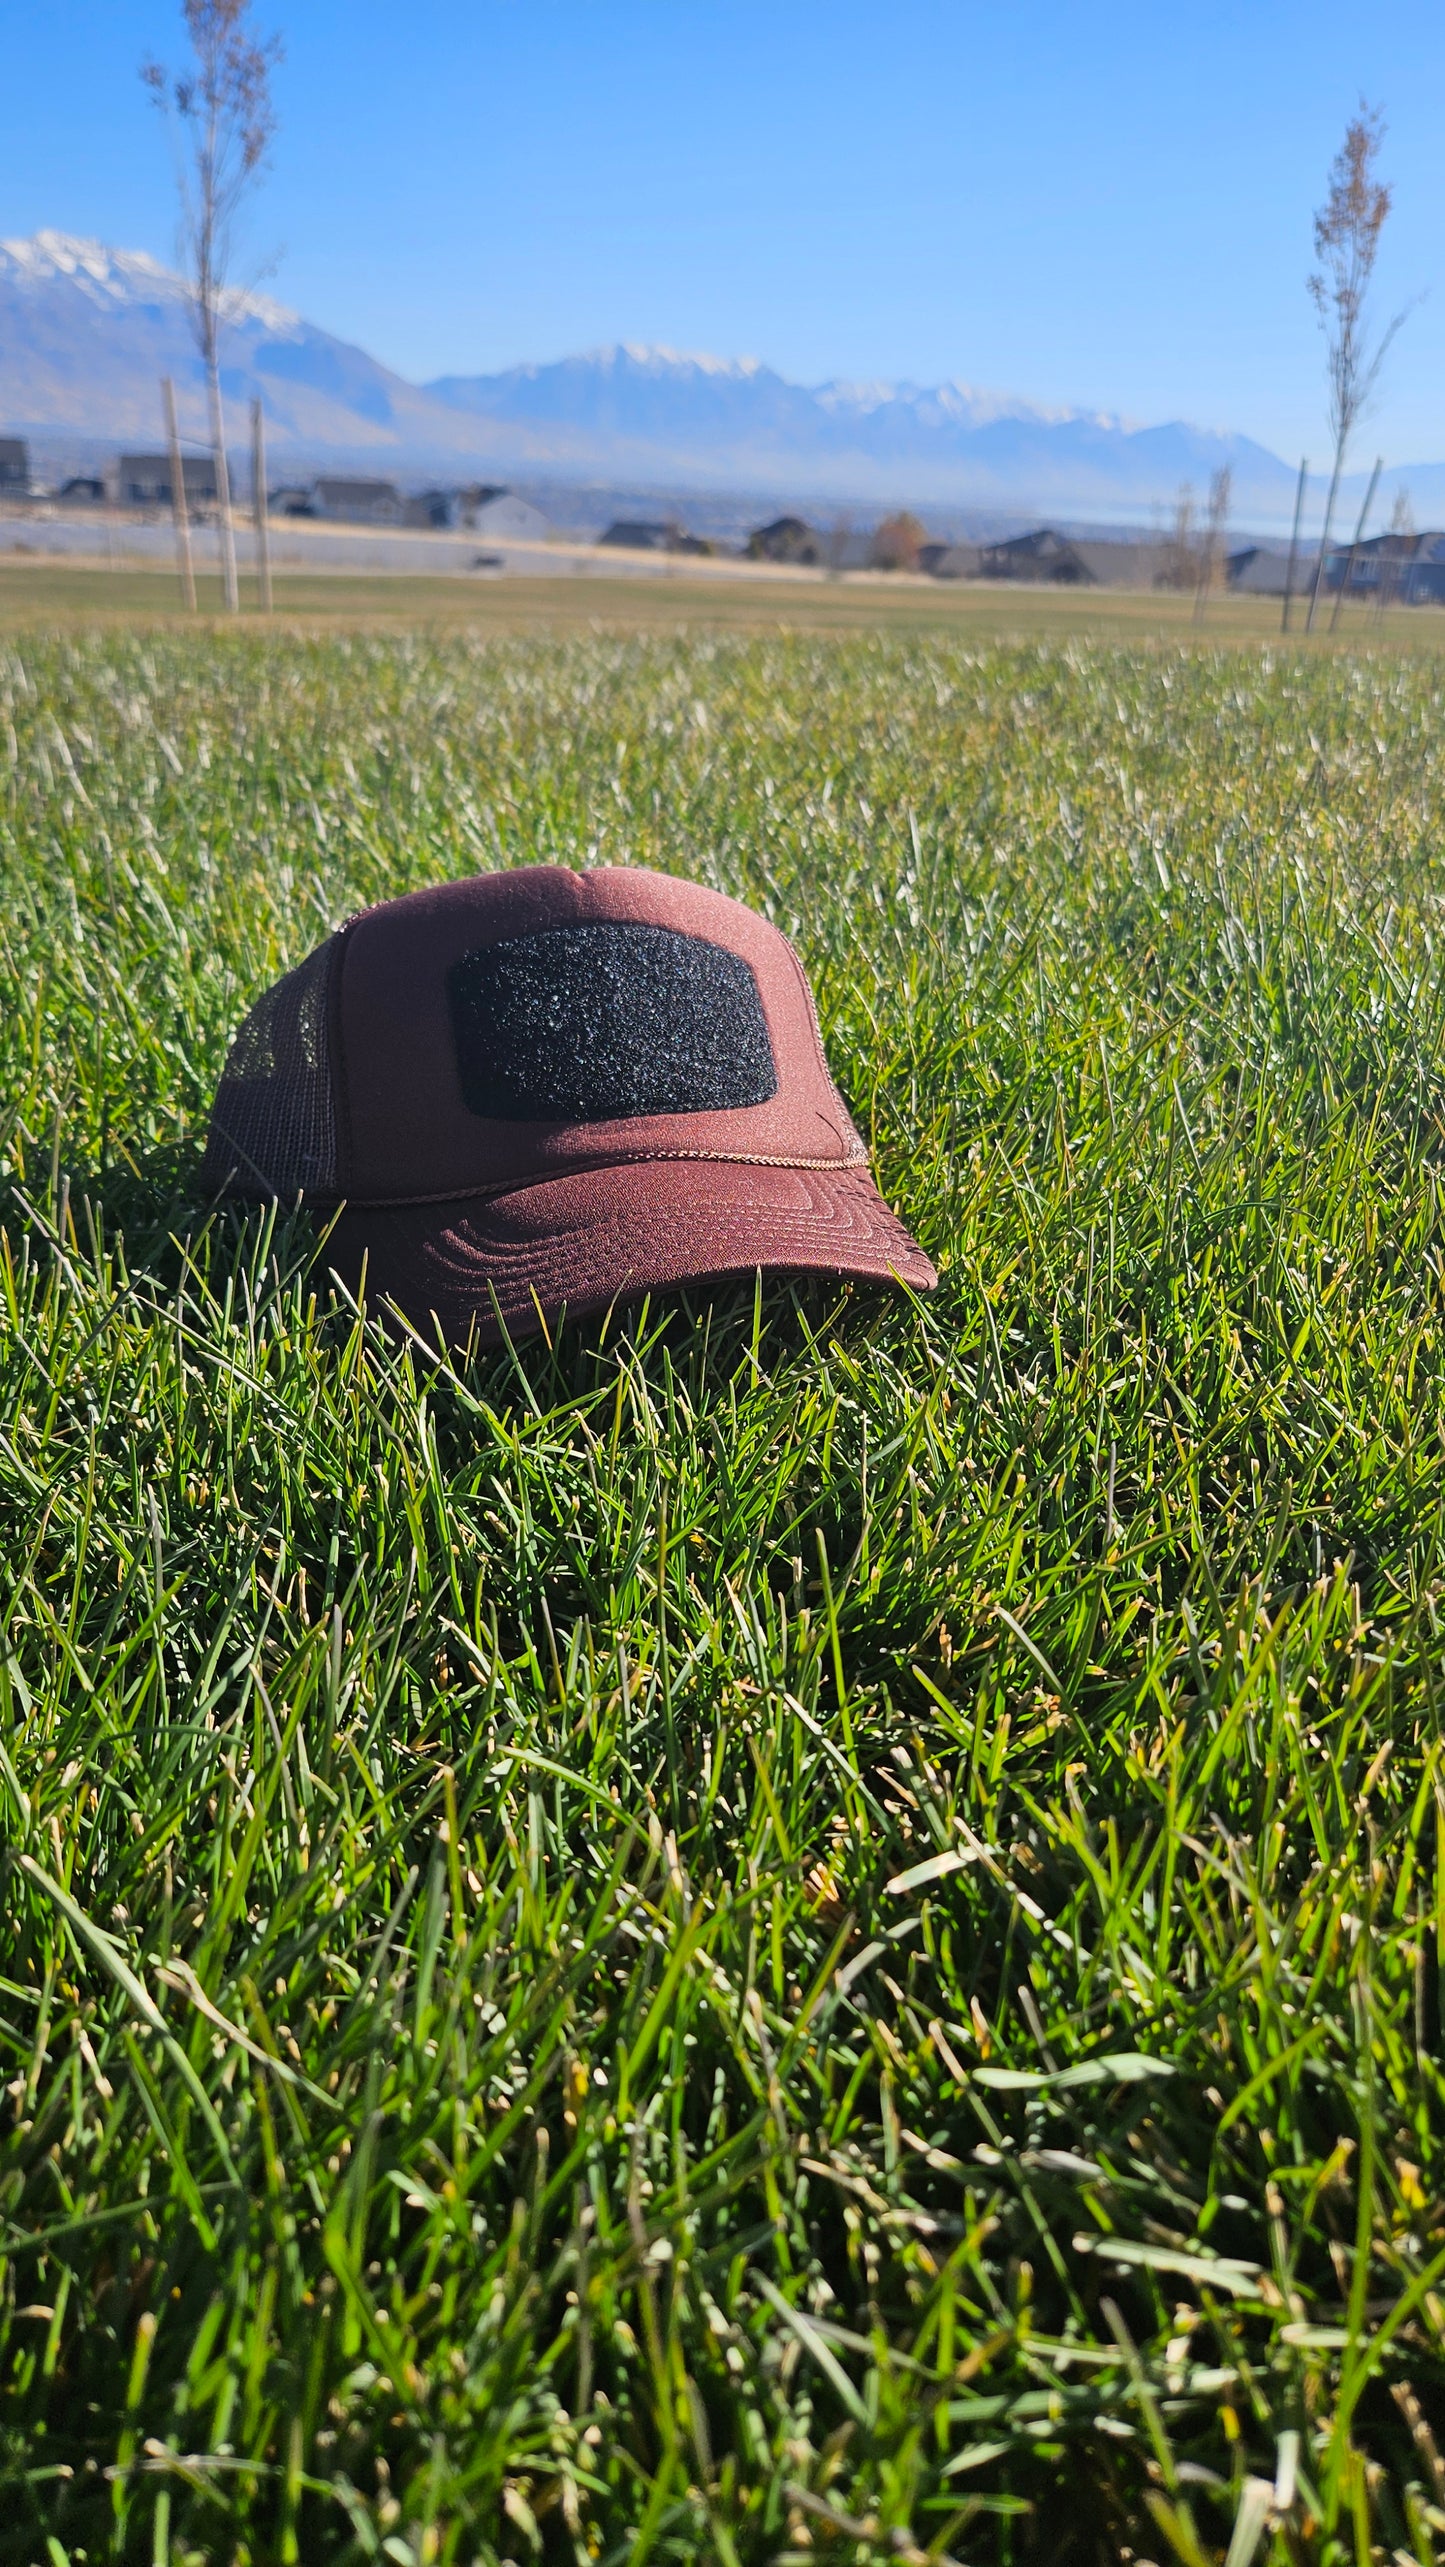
x: 1299, y: 503
x: 224, y: 519
x: 258, y: 498
x: 178, y: 498
x: 1355, y: 546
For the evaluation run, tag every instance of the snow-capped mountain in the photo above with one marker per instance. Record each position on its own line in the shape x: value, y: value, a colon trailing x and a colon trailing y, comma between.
x: 112, y: 277
x: 652, y: 391
x: 87, y: 331
x: 738, y: 421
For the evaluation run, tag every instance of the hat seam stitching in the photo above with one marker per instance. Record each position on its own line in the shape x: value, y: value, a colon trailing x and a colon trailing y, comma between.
x: 593, y: 1167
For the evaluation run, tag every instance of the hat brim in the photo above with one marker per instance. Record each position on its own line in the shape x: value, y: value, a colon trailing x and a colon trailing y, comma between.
x: 578, y: 1244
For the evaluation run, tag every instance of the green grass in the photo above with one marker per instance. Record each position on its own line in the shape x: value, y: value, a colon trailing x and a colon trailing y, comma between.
x: 799, y: 1930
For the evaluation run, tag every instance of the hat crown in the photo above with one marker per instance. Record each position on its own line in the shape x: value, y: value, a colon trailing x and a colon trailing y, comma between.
x: 483, y: 1033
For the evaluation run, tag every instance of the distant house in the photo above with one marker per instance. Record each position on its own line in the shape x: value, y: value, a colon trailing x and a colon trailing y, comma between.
x: 1405, y: 570
x: 144, y: 481
x: 1367, y: 567
x: 435, y: 508
x: 1398, y: 569
x: 787, y: 539
x: 949, y: 561
x: 644, y: 535
x: 1043, y: 555
x: 356, y: 503
x: 1255, y: 571
x: 489, y: 508
x: 1127, y: 562
x: 14, y: 468
x: 1423, y: 582
x: 483, y: 508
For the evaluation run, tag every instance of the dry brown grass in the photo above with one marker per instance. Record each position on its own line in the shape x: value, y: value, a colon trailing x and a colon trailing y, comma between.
x: 56, y: 593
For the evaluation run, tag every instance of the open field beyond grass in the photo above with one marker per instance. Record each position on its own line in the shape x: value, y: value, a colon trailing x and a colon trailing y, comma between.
x: 39, y: 593
x: 803, y: 1931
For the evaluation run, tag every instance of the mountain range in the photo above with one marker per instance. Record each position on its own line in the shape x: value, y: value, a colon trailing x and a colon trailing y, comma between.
x: 86, y: 331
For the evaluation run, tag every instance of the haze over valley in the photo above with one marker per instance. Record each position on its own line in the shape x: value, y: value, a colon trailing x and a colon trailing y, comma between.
x: 86, y: 331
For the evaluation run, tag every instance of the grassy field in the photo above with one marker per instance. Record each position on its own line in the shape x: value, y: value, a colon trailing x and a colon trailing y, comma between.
x: 801, y: 1930
x: 40, y: 593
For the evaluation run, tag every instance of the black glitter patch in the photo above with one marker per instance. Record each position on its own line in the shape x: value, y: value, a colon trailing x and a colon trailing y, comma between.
x: 596, y: 1024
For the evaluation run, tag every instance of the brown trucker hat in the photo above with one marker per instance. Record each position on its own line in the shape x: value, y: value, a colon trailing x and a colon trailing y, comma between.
x: 538, y: 1091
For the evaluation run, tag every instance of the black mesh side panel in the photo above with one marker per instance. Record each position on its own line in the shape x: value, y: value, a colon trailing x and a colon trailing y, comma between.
x: 273, y: 1126
x: 597, y: 1024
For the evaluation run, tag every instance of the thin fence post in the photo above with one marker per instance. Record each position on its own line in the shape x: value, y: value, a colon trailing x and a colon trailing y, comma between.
x: 226, y: 522
x: 178, y: 498
x: 1323, y: 557
x: 1299, y: 502
x: 1355, y: 546
x: 258, y: 497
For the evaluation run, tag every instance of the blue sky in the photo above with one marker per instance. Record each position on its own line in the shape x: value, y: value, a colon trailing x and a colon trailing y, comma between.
x: 1108, y: 205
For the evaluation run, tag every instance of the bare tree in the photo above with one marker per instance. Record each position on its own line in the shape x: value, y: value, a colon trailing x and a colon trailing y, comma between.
x: 222, y: 104
x: 1397, y: 552
x: 1180, y: 570
x: 1347, y: 242
x: 1216, y: 519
